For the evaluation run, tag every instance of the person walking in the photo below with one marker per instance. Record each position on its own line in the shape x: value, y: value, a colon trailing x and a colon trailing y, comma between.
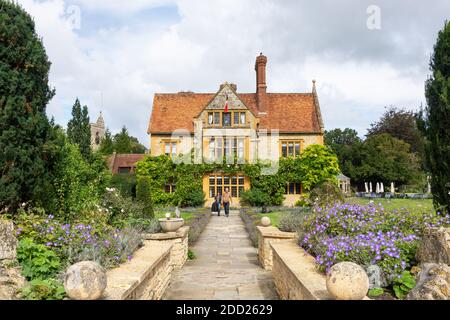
x: 226, y: 200
x: 219, y: 203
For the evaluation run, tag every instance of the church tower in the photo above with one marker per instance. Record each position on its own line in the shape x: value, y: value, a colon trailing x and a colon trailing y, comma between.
x: 97, y: 132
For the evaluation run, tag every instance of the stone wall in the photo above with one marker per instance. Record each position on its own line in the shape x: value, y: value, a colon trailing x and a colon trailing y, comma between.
x: 148, y: 274
x: 295, y: 274
x: 179, y: 242
x: 267, y: 236
x: 145, y: 277
x: 11, y: 279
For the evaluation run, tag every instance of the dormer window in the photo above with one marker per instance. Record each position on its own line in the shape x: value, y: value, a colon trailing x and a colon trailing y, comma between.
x: 226, y: 119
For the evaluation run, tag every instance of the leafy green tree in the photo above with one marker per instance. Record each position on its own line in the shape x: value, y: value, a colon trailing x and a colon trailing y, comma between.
x: 434, y: 121
x: 347, y: 146
x: 107, y: 144
x: 143, y: 194
x: 79, y: 130
x: 24, y: 95
x: 122, y: 141
x: 77, y: 185
x: 387, y: 159
x: 401, y: 124
x: 317, y: 164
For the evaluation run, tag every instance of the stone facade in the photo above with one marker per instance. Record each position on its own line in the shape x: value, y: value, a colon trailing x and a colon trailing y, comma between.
x: 267, y: 236
x: 98, y: 130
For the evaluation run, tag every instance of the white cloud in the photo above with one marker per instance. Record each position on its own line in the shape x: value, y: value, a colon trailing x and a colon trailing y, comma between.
x: 358, y: 71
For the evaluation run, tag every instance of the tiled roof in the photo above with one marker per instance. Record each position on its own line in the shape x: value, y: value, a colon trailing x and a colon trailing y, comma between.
x: 117, y: 161
x: 288, y: 112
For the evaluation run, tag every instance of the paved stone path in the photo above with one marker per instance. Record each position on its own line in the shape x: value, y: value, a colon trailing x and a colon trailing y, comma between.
x: 226, y: 267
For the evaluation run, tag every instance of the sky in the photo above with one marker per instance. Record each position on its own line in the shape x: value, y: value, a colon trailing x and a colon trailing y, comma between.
x: 114, y: 55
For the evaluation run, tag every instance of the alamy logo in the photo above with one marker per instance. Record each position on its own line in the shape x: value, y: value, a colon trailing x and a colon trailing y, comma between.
x: 374, y: 19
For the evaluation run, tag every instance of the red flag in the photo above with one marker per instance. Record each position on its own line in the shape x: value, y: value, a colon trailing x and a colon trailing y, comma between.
x: 226, y: 104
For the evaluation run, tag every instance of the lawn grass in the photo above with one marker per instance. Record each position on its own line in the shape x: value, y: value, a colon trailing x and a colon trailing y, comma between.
x: 185, y: 215
x: 414, y: 205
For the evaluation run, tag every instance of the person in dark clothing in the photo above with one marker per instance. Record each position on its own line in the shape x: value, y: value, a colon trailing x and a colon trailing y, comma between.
x: 219, y: 203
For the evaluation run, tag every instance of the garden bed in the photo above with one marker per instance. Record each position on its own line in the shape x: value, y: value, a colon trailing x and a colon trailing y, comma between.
x: 369, y: 235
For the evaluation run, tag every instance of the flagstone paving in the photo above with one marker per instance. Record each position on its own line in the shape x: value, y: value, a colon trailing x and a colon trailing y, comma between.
x: 226, y: 266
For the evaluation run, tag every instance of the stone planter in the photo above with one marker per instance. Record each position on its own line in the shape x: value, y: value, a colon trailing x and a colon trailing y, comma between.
x: 171, y: 225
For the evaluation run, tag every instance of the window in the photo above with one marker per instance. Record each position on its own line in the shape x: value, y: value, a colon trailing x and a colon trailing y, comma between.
x: 210, y: 118
x: 290, y: 148
x: 226, y: 119
x: 236, y: 118
x: 229, y: 147
x: 243, y: 117
x: 169, y: 188
x: 218, y: 183
x: 293, y: 188
x: 216, y: 117
x: 170, y: 149
x: 124, y: 169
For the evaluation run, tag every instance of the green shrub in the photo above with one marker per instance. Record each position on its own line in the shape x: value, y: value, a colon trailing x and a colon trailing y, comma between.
x: 126, y: 184
x: 291, y: 222
x: 255, y: 198
x: 304, y: 201
x: 375, y: 292
x: 326, y: 194
x: 37, y: 261
x: 251, y: 220
x: 403, y: 284
x: 48, y: 289
x: 143, y: 195
x: 191, y: 255
x: 118, y: 209
x: 197, y: 224
x: 195, y: 198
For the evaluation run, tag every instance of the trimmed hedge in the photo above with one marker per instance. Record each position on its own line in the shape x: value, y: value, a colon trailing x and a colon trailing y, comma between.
x: 197, y: 224
x: 251, y: 220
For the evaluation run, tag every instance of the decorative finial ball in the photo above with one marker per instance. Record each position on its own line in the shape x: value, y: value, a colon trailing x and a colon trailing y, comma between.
x: 265, y: 221
x: 347, y: 281
x: 85, y: 280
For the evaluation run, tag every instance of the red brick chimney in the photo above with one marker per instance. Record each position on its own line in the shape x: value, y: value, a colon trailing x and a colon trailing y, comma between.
x: 261, y: 87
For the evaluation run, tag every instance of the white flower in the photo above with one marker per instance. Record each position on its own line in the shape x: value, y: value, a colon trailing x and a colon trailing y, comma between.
x: 122, y: 211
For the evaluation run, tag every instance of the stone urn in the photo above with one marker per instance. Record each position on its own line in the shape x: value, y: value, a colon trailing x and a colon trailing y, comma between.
x: 171, y: 224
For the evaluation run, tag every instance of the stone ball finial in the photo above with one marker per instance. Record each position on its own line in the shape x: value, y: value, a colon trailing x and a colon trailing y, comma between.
x: 265, y: 221
x: 347, y: 281
x: 85, y: 280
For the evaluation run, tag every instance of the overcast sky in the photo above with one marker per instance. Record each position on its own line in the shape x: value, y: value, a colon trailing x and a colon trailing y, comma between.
x: 128, y: 50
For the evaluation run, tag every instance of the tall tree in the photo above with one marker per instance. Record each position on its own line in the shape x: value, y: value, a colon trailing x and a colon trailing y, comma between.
x: 79, y: 130
x: 401, y: 124
x: 124, y: 143
x: 347, y: 146
x: 434, y: 121
x: 387, y: 159
x: 24, y: 95
x: 107, y: 144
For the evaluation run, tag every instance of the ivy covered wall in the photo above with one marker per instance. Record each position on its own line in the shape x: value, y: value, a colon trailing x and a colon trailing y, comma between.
x: 316, y: 164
